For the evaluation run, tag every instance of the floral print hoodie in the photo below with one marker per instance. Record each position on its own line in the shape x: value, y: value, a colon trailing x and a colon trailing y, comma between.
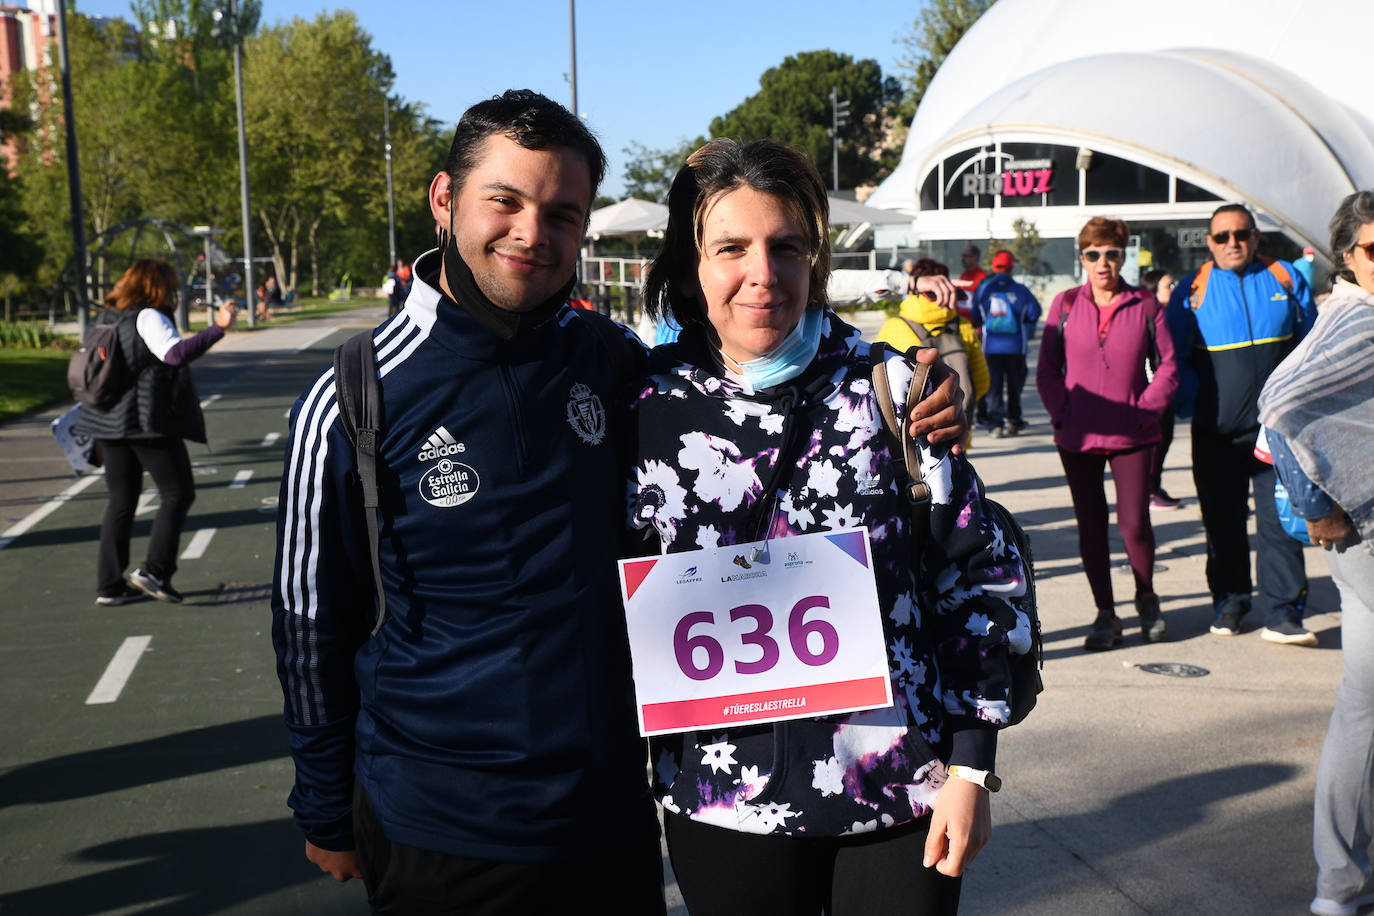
x: 707, y: 474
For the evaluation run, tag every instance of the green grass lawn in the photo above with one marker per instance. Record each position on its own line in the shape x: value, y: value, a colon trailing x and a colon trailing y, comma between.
x: 30, y: 379
x: 316, y: 307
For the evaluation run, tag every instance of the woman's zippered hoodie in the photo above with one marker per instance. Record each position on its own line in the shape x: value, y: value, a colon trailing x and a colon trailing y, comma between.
x: 1091, y: 372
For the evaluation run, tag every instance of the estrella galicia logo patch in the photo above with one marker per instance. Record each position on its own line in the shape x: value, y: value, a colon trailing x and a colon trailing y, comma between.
x: 586, y: 415
x: 449, y: 483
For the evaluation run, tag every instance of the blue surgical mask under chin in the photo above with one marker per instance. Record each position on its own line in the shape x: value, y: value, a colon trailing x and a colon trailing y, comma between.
x: 787, y: 360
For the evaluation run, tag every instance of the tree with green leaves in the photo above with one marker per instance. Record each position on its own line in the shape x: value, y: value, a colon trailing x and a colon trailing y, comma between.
x: 793, y: 105
x: 929, y: 40
x: 649, y: 173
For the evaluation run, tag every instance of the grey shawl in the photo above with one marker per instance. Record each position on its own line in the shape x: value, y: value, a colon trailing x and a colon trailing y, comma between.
x: 1321, y: 400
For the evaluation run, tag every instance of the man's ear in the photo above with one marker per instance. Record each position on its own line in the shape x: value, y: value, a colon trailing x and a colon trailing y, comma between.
x: 440, y: 199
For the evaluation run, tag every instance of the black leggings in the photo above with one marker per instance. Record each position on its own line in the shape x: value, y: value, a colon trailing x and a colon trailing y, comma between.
x: 125, y: 461
x: 725, y: 872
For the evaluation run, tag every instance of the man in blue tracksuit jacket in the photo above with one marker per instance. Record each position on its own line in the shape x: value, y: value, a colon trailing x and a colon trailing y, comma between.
x: 1233, y: 321
x: 481, y: 753
x: 1007, y: 312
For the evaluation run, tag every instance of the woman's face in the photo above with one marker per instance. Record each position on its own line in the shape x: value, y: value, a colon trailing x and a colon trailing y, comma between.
x: 1359, y: 261
x: 1166, y: 288
x: 754, y: 272
x: 1102, y: 266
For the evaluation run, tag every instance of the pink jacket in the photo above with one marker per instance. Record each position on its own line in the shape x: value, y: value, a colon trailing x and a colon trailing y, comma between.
x: 1095, y: 389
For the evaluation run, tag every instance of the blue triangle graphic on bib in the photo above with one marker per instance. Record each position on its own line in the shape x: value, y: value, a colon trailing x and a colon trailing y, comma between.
x: 852, y: 543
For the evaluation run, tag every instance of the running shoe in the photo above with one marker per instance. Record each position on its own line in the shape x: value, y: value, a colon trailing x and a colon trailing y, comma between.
x: 1325, y: 906
x: 1289, y: 634
x: 125, y: 594
x: 153, y: 586
x: 1227, y: 623
x: 1162, y: 500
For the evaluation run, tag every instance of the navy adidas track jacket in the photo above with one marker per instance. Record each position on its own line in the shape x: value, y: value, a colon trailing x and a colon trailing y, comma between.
x: 493, y: 715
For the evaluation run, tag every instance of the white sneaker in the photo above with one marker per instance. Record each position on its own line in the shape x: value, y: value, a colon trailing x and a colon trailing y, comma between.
x: 1325, y: 906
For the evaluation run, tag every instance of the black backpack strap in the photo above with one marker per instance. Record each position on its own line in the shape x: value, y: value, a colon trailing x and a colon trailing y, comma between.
x: 360, y: 407
x: 906, y: 465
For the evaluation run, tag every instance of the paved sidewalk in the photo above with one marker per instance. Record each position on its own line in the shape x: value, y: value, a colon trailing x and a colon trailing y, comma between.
x: 1126, y: 791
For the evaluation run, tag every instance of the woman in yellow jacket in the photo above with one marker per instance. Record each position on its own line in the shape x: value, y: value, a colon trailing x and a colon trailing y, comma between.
x: 900, y: 332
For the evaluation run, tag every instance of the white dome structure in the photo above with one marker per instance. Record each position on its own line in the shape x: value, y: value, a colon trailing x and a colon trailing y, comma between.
x: 1184, y: 105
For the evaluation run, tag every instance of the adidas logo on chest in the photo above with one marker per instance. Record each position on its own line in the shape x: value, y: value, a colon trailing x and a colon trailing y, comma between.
x: 440, y: 444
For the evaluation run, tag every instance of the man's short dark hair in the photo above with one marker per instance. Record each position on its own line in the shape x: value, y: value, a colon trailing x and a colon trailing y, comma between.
x: 533, y: 121
x: 1232, y: 208
x: 973, y: 248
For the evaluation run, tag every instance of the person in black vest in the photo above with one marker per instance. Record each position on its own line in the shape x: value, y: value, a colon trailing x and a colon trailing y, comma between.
x: 147, y: 429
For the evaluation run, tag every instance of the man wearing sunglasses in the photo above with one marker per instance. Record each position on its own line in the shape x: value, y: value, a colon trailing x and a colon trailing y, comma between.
x: 1233, y: 321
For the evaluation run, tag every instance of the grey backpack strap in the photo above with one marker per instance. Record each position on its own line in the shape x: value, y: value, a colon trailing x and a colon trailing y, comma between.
x: 360, y: 406
x: 902, y: 446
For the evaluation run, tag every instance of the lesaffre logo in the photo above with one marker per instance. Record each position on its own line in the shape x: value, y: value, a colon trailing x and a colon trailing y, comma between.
x: 440, y: 444
x: 688, y: 576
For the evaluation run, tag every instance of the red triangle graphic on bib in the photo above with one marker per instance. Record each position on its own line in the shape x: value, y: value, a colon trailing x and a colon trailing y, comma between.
x: 634, y: 572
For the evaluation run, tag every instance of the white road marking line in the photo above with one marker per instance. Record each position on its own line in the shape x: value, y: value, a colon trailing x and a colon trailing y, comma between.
x: 210, y: 400
x: 270, y: 439
x: 48, y: 508
x: 145, y: 502
x: 199, y: 542
x: 287, y: 414
x: 240, y: 480
x: 112, y: 682
x: 314, y: 340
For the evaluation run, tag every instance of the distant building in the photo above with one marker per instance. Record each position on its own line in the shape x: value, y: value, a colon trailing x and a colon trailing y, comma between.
x: 26, y: 34
x: 1059, y: 110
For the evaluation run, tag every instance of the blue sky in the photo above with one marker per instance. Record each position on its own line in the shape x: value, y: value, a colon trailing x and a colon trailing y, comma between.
x: 650, y: 72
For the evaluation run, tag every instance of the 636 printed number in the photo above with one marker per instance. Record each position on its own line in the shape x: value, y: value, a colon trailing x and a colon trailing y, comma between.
x: 799, y: 630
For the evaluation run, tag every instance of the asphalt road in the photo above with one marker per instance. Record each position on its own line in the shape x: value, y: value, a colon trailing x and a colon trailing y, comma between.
x: 1126, y: 792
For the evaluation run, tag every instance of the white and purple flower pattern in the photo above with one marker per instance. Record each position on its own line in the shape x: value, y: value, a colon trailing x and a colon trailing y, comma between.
x: 707, y: 454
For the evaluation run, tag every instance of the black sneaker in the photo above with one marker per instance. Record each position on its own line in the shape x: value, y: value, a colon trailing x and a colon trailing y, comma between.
x: 125, y: 594
x: 153, y: 586
x: 1289, y: 634
x: 1227, y: 623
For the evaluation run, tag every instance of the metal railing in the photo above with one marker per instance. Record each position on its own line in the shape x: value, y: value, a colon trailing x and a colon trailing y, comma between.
x: 627, y: 272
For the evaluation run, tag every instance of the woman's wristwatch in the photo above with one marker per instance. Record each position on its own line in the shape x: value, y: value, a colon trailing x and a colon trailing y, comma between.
x: 990, y: 781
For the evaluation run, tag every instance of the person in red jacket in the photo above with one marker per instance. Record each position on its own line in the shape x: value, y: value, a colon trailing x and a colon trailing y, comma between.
x: 1105, y: 408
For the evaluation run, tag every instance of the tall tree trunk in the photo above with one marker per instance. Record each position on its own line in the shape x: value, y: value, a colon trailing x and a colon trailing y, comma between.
x: 275, y: 237
x: 315, y: 256
x: 296, y: 252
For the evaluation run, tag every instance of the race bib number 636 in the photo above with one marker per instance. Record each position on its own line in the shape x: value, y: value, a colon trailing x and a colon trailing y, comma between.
x: 783, y: 629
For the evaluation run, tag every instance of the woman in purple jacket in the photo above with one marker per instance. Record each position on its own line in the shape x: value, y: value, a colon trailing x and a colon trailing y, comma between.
x: 1106, y: 375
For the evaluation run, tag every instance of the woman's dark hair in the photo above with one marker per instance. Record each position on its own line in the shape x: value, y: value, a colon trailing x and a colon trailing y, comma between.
x: 1103, y: 231
x: 1150, y: 279
x: 151, y: 282
x: 533, y: 121
x: 929, y: 267
x: 710, y: 173
x: 1351, y: 215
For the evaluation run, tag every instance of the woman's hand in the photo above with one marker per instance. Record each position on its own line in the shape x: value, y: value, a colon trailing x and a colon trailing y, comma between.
x: 938, y: 288
x: 226, y: 314
x: 960, y: 825
x: 1332, y: 530
x: 940, y: 416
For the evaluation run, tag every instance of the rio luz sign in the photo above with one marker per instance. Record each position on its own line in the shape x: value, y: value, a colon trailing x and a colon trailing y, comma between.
x: 1016, y: 178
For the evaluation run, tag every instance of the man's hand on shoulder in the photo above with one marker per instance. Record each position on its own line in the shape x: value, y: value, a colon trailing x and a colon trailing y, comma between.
x: 940, y: 416
x: 342, y: 865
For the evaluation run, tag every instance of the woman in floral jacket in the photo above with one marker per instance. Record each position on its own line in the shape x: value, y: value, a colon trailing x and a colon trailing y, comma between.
x: 759, y: 423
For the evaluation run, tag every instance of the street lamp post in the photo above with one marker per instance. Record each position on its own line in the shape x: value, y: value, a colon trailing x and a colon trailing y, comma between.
x: 73, y: 173
x: 390, y: 194
x: 236, y: 37
x: 839, y: 117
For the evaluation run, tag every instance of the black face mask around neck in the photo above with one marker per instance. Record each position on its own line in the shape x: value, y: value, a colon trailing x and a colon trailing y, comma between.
x: 504, y: 323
